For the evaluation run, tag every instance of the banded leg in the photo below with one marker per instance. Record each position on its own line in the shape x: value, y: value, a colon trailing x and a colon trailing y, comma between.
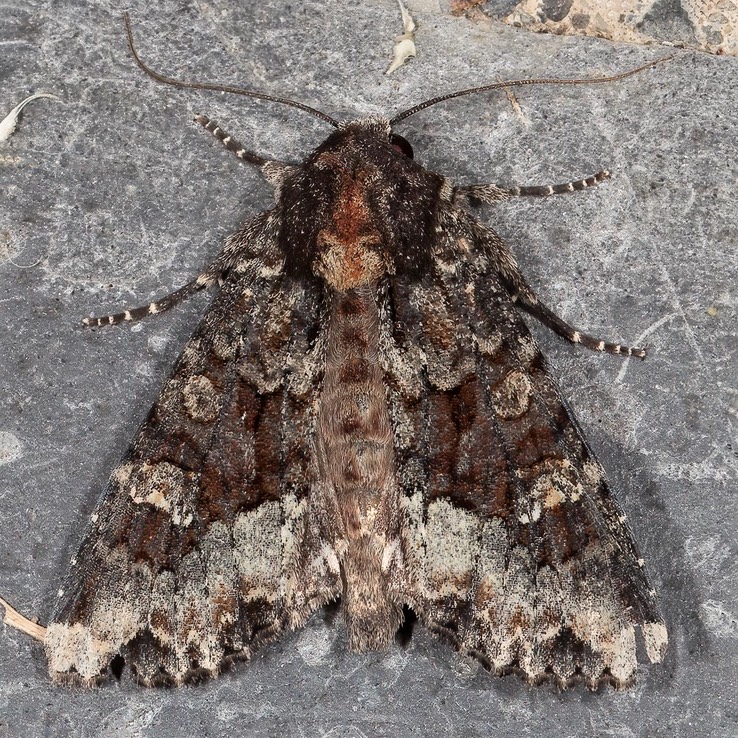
x: 159, y: 306
x: 549, y: 318
x: 229, y: 142
x: 492, y: 193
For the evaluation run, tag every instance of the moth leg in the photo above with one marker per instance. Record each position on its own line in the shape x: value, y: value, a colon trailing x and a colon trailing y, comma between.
x: 559, y: 326
x: 504, y: 264
x: 216, y: 271
x: 492, y: 193
x: 229, y: 142
x: 207, y: 279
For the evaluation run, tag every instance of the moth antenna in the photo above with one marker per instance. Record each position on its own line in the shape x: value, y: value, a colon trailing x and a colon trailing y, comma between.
x: 520, y: 83
x: 219, y: 88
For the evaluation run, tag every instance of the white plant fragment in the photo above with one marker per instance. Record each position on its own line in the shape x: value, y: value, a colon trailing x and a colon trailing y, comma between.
x: 9, y: 122
x: 405, y: 44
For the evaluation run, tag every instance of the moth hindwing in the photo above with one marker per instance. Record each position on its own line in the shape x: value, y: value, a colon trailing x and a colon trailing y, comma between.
x: 362, y: 415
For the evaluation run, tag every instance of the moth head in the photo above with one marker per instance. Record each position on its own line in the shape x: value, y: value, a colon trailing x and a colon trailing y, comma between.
x: 401, y: 144
x: 380, y: 127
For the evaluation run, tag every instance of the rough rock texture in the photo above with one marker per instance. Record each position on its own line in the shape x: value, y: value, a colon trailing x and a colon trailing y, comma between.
x: 707, y: 25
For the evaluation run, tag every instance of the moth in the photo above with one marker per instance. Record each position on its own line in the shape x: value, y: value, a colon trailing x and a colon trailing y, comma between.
x: 361, y: 416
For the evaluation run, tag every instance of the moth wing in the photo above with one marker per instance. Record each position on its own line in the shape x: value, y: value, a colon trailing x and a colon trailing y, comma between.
x: 201, y: 548
x: 514, y: 548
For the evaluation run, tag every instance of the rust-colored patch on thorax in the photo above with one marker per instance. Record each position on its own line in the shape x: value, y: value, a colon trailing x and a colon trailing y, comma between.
x: 349, y: 255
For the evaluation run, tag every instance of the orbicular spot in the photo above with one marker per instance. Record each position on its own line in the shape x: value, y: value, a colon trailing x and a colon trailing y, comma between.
x: 512, y: 396
x: 201, y: 399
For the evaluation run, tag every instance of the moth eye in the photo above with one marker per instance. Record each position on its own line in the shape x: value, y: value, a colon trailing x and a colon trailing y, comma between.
x: 402, y: 145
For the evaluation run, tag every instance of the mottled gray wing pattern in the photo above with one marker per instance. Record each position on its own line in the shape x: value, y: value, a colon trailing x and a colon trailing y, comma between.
x: 200, y: 549
x: 514, y: 548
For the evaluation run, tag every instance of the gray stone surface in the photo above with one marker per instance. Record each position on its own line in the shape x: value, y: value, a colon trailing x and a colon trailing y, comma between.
x: 116, y: 196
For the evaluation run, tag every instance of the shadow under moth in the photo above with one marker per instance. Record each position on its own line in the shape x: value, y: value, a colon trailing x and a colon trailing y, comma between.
x: 362, y: 415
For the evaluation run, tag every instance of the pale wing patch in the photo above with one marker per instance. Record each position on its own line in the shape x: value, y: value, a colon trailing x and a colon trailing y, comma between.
x: 257, y: 536
x: 520, y: 610
x: 193, y: 612
x: 201, y: 399
x: 221, y: 581
x: 554, y: 481
x: 118, y: 614
x: 162, y: 485
x: 450, y: 548
x: 656, y: 639
x: 592, y: 473
x: 74, y: 647
x: 597, y: 619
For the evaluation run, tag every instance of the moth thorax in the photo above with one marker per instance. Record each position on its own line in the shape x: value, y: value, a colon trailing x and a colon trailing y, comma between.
x: 348, y: 265
x: 349, y: 243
